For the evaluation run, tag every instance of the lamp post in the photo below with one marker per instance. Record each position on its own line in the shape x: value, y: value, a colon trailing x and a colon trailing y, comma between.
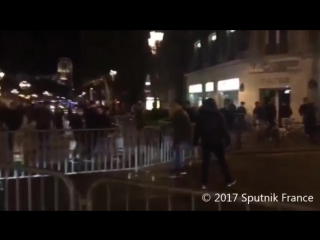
x: 109, y: 91
x: 154, y: 43
x: 91, y: 94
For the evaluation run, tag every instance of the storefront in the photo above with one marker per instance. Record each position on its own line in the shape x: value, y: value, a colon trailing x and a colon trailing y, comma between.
x: 196, y: 94
x: 228, y: 89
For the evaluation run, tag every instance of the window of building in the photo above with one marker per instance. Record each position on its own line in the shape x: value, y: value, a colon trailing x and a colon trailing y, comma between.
x: 276, y: 41
x: 314, y: 39
x: 213, y: 37
x: 197, y: 44
x: 197, y: 88
x: 209, y: 87
x: 149, y: 103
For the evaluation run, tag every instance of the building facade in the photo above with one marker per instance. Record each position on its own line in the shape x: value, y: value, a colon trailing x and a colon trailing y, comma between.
x: 65, y: 72
x: 254, y: 65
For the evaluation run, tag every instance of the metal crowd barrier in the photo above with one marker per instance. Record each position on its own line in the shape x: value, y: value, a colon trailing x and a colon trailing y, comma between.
x: 86, y: 151
x: 153, y: 197
x: 32, y: 189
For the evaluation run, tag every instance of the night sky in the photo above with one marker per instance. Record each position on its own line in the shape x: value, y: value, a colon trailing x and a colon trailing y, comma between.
x: 93, y: 52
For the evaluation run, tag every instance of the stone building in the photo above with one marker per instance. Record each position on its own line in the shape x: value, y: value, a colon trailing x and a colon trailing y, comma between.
x: 254, y: 65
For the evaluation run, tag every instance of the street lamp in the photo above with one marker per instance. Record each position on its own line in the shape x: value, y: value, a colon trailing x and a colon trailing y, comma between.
x: 91, y: 94
x: 113, y: 74
x: 1, y: 74
x: 24, y: 85
x: 154, y: 43
x: 155, y: 40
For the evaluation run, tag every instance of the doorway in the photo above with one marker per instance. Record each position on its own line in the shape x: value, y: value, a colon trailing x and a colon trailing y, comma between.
x: 280, y: 95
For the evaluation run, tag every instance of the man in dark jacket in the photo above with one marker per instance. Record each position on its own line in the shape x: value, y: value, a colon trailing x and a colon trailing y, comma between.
x: 100, y: 122
x: 213, y: 133
x: 308, y: 112
x: 271, y: 115
x: 13, y: 120
x: 44, y: 122
x: 285, y: 113
x: 181, y: 137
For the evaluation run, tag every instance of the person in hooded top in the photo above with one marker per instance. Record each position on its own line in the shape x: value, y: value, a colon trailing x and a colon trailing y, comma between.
x: 212, y: 131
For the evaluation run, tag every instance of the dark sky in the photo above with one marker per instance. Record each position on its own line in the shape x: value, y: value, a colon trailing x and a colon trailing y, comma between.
x: 93, y: 52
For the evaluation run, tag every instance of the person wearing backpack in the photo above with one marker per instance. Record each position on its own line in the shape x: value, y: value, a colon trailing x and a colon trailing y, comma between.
x: 212, y: 130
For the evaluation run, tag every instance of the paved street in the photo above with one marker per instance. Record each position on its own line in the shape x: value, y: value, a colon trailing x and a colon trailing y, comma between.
x: 294, y: 174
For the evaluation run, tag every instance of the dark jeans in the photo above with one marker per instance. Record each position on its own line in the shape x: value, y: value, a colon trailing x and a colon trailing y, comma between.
x: 79, y: 137
x: 310, y: 130
x: 219, y: 152
x: 270, y: 129
x: 91, y: 140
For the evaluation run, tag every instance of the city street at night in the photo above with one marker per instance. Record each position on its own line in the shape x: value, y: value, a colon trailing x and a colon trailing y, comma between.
x: 292, y: 174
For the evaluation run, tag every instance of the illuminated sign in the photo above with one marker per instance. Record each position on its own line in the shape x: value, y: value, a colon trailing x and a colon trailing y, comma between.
x: 229, y: 85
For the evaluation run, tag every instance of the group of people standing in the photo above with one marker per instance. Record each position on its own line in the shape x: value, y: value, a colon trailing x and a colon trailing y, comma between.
x: 87, y: 123
x: 212, y: 127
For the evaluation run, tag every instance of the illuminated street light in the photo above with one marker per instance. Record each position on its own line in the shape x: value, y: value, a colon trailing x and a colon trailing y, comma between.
x: 34, y: 95
x: 155, y: 40
x: 154, y: 43
x: 24, y: 85
x: 113, y: 74
x: 14, y: 91
x: 1, y: 74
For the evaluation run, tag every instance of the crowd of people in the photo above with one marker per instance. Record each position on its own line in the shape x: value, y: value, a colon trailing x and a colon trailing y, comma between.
x: 213, y: 127
x: 87, y: 116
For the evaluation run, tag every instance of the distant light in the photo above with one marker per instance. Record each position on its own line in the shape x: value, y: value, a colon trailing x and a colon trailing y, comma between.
x: 155, y: 40
x: 232, y: 31
x: 1, y: 74
x: 14, y: 91
x: 148, y: 83
x: 91, y: 89
x: 213, y: 37
x: 197, y: 44
x: 113, y: 72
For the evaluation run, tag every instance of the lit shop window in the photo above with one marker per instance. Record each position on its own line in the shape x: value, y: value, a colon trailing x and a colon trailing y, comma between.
x: 197, y: 88
x: 229, y: 85
x: 209, y: 87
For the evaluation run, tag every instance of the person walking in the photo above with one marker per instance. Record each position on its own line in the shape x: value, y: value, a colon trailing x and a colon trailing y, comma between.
x: 181, y: 137
x: 211, y: 129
